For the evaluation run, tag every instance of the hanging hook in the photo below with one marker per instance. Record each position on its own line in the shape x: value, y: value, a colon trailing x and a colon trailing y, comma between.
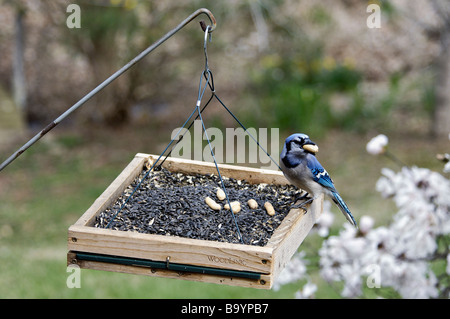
x: 207, y: 33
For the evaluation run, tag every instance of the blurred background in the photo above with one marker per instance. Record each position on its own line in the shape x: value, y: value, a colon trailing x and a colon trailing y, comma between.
x: 302, y: 66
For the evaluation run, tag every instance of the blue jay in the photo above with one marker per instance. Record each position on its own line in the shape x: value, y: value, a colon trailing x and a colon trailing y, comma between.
x: 302, y: 169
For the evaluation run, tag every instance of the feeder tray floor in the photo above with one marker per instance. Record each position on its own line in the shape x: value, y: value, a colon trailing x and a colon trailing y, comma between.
x: 178, y: 257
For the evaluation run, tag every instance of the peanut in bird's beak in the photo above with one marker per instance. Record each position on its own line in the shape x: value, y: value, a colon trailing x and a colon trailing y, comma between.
x: 312, y: 148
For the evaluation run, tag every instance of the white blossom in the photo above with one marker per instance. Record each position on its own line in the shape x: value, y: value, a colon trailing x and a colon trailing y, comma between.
x: 339, y: 260
x: 366, y: 224
x: 307, y: 292
x: 325, y: 220
x: 387, y: 186
x: 447, y: 167
x: 294, y: 271
x: 377, y: 145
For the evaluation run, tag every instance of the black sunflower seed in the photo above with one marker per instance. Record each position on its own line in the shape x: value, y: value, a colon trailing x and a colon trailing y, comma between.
x: 169, y: 203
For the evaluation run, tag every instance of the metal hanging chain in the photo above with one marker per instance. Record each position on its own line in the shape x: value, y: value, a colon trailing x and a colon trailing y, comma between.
x: 108, y: 81
x: 210, y: 81
x: 207, y: 74
x: 214, y: 158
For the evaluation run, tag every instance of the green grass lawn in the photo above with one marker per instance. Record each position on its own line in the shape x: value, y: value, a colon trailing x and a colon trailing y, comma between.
x: 50, y: 186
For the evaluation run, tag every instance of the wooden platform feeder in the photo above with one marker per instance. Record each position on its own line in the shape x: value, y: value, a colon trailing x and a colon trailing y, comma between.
x: 184, y: 258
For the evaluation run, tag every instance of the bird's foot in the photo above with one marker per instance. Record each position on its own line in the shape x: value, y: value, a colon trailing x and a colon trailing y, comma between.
x: 302, y: 204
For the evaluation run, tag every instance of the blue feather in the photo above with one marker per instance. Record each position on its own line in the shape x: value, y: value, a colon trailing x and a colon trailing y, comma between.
x: 320, y: 175
x: 343, y: 207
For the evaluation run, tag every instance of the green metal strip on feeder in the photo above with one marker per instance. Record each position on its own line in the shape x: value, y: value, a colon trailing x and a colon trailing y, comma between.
x: 120, y: 260
x: 167, y: 265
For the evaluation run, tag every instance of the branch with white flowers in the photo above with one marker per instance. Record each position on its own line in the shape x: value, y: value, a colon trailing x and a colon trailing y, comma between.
x: 405, y: 256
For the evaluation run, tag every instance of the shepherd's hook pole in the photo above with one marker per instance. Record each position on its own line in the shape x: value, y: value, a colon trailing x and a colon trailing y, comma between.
x: 105, y: 83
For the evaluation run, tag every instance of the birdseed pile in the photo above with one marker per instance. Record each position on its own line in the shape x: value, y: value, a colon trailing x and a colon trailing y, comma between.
x: 173, y: 204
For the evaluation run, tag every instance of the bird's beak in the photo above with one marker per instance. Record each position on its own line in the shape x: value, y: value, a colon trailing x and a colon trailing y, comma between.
x: 311, y: 147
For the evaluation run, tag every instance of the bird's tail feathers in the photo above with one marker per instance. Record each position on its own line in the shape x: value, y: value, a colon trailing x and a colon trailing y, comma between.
x: 344, y: 208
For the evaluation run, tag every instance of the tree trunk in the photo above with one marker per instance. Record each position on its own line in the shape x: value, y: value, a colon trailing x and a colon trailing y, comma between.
x: 441, y: 123
x: 19, y: 82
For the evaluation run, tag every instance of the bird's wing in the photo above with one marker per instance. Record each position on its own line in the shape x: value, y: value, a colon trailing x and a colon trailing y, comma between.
x: 320, y: 175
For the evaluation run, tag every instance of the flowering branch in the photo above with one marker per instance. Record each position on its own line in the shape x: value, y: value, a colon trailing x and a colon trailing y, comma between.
x: 379, y: 146
x: 396, y: 258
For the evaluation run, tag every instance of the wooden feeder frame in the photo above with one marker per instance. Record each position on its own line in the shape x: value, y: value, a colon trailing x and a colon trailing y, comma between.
x: 185, y: 258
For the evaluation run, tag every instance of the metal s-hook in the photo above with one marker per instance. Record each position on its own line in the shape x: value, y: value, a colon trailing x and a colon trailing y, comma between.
x: 207, y: 33
x: 207, y: 72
